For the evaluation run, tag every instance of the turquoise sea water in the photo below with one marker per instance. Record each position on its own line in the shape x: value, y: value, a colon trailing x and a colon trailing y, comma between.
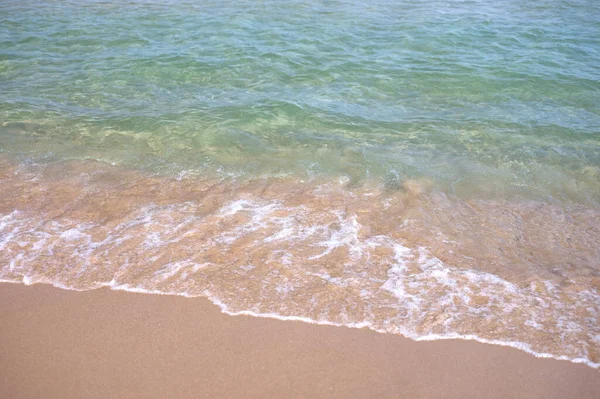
x: 423, y: 168
x: 491, y: 97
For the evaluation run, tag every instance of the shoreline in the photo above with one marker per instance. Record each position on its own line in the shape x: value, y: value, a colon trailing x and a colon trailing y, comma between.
x: 408, y: 262
x: 107, y: 343
x: 273, y: 316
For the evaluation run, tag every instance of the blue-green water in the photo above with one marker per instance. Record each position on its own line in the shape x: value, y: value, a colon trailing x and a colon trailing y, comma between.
x: 423, y: 168
x: 488, y: 97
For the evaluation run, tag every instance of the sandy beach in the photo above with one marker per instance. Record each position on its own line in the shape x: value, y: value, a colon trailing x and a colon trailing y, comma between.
x: 299, y: 199
x: 66, y: 344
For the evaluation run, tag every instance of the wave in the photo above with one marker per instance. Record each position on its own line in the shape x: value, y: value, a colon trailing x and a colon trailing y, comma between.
x: 403, y: 260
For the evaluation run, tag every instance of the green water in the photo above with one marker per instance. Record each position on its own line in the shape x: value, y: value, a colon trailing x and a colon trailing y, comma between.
x: 490, y: 98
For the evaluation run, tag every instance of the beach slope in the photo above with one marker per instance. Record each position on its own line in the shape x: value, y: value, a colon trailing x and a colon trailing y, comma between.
x: 99, y: 344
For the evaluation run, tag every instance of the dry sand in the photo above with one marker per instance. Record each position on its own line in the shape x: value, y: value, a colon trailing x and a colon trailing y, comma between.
x: 106, y: 344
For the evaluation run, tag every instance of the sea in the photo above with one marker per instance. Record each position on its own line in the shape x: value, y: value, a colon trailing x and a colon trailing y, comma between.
x: 425, y: 168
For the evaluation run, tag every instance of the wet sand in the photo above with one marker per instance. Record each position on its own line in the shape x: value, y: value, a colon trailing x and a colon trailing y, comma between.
x: 411, y: 261
x: 66, y: 344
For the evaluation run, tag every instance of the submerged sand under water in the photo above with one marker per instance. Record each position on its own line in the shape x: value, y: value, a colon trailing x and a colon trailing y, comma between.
x: 411, y: 260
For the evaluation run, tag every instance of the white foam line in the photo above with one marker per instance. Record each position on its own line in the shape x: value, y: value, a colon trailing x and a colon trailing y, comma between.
x: 113, y: 285
x: 431, y: 337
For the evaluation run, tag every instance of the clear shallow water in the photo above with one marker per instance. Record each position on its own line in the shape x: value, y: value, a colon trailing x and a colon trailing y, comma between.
x: 424, y: 168
x: 462, y: 92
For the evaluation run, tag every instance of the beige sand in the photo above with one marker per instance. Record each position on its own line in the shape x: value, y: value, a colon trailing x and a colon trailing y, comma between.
x: 315, y: 249
x: 65, y: 344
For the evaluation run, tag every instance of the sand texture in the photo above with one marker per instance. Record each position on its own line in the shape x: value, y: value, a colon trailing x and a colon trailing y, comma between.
x: 107, y: 344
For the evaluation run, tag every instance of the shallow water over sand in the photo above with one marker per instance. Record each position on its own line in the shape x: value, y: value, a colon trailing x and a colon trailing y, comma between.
x: 413, y: 261
x: 488, y: 98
